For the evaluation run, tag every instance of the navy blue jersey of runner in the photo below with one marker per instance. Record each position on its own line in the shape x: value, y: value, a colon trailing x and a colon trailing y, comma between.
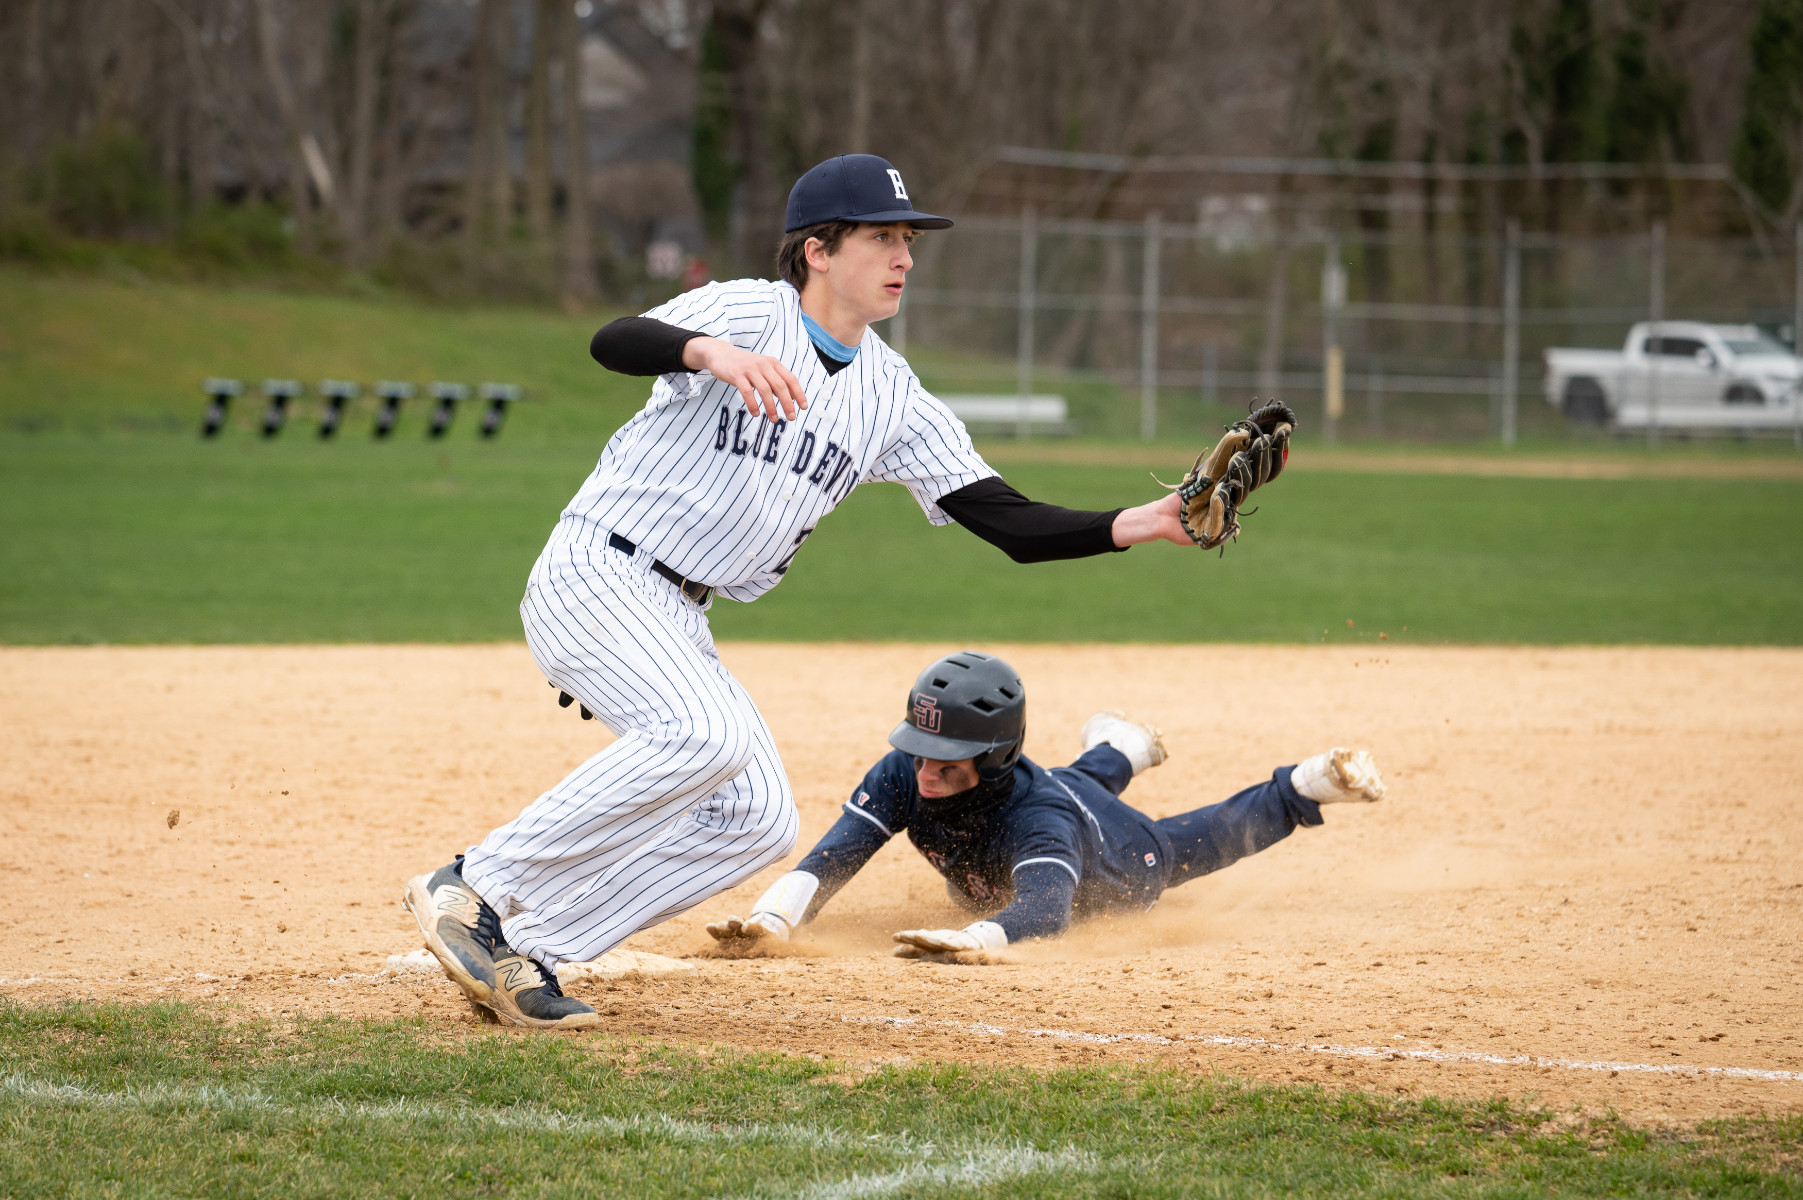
x: 1060, y: 844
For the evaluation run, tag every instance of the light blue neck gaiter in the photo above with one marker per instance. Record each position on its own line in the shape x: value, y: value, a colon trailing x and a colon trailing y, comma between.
x: 829, y: 345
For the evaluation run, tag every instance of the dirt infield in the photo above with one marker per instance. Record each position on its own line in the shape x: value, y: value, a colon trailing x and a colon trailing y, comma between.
x: 1584, y: 887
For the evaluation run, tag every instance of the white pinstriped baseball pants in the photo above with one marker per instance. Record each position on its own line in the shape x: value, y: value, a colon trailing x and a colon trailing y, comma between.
x: 689, y: 801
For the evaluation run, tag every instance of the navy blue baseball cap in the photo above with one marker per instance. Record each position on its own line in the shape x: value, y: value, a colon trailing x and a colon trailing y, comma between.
x: 854, y: 187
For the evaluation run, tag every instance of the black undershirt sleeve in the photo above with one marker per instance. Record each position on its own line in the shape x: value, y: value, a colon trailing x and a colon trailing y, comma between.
x: 641, y: 346
x: 1026, y: 530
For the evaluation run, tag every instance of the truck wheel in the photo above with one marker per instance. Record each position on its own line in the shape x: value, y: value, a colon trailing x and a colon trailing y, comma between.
x: 1585, y: 402
x: 1743, y: 393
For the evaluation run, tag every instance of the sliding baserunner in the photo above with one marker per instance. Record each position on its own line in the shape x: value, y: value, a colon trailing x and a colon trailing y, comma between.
x: 1024, y: 847
x: 773, y: 400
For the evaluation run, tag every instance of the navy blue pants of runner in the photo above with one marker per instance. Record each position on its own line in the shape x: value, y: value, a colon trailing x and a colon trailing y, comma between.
x: 1221, y: 834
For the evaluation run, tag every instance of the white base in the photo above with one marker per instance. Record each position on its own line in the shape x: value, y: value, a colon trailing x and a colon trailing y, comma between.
x: 615, y: 964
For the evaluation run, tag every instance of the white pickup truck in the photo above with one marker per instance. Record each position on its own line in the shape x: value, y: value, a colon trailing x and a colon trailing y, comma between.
x: 1682, y: 375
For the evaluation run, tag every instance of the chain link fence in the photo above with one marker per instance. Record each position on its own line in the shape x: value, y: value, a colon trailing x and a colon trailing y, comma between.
x: 1154, y: 328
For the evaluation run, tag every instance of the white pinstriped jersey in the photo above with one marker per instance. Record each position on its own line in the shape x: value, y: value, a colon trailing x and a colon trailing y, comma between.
x: 727, y: 498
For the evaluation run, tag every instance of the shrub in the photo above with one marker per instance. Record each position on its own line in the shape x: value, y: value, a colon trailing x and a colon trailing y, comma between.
x: 26, y: 235
x: 102, y: 186
x: 246, y: 235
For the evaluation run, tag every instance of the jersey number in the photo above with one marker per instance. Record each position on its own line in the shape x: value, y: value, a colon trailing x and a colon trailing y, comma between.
x: 782, y: 568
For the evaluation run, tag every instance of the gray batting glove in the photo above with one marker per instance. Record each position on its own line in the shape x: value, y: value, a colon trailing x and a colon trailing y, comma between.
x: 759, y: 925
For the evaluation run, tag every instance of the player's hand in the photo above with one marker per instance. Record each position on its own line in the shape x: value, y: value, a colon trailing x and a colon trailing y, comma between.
x: 768, y: 388
x: 1154, y: 522
x: 758, y: 925
x: 921, y: 943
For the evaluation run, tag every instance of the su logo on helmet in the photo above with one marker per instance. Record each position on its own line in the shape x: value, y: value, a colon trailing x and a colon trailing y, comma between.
x: 926, y: 713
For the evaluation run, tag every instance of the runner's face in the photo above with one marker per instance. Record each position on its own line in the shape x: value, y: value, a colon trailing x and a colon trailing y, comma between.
x: 938, y: 778
x: 866, y: 273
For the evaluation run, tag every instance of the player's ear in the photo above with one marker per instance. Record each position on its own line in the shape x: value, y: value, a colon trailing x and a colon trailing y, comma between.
x: 816, y: 254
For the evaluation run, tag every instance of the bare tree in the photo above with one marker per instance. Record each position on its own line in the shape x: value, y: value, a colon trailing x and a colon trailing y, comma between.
x: 487, y: 160
x: 863, y: 82
x: 307, y: 162
x: 578, y: 285
x: 371, y: 22
x: 736, y: 26
x: 538, y: 122
x: 397, y: 131
x: 499, y: 114
x: 201, y: 108
x: 27, y: 105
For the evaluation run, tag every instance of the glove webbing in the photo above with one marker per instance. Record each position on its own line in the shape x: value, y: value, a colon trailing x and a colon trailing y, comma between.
x: 1252, y: 453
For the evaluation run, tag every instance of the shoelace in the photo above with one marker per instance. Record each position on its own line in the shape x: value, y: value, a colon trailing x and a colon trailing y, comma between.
x: 488, y: 927
x: 488, y: 921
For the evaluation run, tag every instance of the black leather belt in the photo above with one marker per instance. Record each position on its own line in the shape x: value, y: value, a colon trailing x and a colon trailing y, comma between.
x: 697, y: 592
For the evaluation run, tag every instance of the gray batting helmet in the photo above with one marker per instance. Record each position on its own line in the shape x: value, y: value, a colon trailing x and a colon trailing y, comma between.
x: 966, y: 705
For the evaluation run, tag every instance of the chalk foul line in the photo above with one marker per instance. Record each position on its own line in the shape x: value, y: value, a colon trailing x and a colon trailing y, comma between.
x: 1335, y: 1050
x: 981, y: 1168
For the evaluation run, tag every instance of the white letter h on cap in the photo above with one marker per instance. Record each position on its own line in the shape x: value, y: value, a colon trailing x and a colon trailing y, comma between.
x: 901, y: 192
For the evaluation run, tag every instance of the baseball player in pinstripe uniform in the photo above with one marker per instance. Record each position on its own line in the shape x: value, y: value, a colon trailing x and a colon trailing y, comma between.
x: 772, y: 400
x: 1025, y: 848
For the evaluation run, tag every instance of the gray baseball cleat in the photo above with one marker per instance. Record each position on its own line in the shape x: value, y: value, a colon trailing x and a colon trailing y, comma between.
x: 527, y: 994
x: 460, y: 929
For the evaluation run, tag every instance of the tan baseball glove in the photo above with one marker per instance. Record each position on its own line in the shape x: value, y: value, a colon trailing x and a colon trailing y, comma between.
x: 1249, y: 455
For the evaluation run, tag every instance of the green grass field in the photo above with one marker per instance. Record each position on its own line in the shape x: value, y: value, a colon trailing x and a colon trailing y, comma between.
x: 160, y: 1101
x: 151, y: 537
x: 122, y: 526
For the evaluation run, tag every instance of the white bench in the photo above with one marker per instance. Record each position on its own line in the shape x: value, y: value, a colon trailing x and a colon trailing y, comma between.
x: 1046, y: 414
